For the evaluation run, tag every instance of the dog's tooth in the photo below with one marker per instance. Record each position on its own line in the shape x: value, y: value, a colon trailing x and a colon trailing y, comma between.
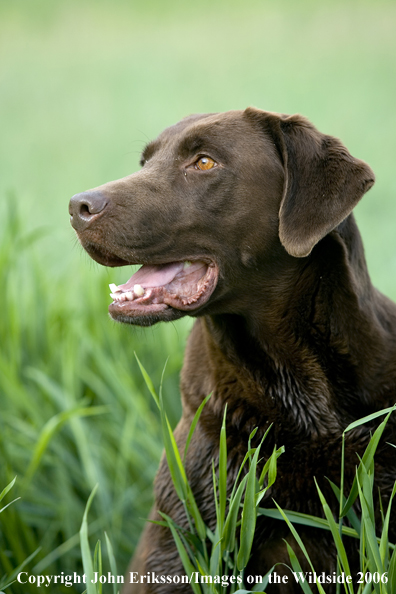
x: 113, y: 288
x: 187, y: 264
x: 138, y: 290
x: 129, y: 295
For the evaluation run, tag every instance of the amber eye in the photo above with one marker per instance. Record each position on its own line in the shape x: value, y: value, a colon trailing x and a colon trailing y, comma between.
x: 205, y: 163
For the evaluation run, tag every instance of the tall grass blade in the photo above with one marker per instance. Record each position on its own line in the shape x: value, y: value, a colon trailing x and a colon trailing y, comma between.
x: 261, y: 587
x: 52, y: 426
x: 8, y: 504
x: 188, y: 567
x: 304, y: 520
x: 215, y: 552
x: 298, y: 570
x: 271, y: 468
x: 7, y: 488
x: 174, y: 461
x: 112, y: 561
x: 6, y: 581
x: 84, y: 543
x: 229, y: 540
x: 222, y: 474
x: 351, y: 515
x: 392, y: 573
x: 194, y: 424
x: 249, y: 514
x: 178, y: 475
x: 367, y: 459
x: 299, y: 542
x: 369, y: 528
x: 173, y: 458
x: 149, y: 382
x: 369, y: 418
x: 97, y: 564
x: 384, y: 542
x: 334, y: 527
x: 162, y: 378
x: 247, y: 457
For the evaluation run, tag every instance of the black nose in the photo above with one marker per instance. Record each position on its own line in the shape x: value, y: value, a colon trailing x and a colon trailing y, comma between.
x: 85, y: 207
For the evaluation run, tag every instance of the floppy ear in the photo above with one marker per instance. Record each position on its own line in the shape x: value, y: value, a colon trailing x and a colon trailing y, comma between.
x: 323, y: 182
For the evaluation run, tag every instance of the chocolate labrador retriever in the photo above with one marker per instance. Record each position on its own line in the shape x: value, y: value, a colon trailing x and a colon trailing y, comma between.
x: 243, y: 221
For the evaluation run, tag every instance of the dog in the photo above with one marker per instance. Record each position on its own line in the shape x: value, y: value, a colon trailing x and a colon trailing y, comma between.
x: 243, y: 220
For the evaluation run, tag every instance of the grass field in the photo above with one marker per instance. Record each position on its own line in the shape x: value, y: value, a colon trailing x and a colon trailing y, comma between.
x: 83, y: 86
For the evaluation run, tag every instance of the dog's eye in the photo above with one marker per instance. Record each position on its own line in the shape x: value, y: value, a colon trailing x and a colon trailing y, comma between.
x: 205, y: 163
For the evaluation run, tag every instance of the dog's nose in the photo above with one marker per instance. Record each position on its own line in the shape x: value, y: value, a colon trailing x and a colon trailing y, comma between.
x: 85, y: 207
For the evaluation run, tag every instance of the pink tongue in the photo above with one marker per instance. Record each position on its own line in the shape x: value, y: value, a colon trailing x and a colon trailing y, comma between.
x: 153, y: 276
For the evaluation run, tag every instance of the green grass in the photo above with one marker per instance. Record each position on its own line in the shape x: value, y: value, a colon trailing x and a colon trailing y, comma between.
x: 226, y: 549
x: 75, y: 411
x: 83, y: 86
x: 377, y: 555
x: 209, y: 554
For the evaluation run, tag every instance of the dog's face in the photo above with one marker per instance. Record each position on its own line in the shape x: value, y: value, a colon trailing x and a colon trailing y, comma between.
x: 210, y: 216
x: 200, y: 186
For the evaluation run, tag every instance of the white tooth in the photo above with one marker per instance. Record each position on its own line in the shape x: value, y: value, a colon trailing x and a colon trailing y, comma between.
x: 114, y: 288
x: 138, y: 290
x: 187, y: 264
x: 113, y: 296
x: 129, y: 295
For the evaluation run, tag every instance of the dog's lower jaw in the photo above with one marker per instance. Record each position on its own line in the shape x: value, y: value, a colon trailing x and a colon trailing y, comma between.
x: 149, y: 319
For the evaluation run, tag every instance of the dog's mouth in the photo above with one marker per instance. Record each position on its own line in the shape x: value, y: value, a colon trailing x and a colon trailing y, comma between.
x: 185, y: 286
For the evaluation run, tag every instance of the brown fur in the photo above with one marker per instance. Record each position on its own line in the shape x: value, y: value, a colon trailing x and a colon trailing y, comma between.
x: 294, y: 333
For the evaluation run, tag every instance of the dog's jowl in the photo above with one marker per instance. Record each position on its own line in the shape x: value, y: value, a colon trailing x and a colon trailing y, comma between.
x: 243, y: 220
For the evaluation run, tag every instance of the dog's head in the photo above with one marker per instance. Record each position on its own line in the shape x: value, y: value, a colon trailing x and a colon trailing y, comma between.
x: 221, y: 202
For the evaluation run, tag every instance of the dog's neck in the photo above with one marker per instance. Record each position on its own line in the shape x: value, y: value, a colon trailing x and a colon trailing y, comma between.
x: 321, y: 320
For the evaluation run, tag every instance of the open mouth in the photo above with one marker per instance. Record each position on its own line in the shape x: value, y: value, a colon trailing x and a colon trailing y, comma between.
x: 184, y: 286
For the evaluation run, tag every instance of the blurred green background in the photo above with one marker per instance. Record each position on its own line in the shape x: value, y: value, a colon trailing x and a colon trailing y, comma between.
x: 83, y: 86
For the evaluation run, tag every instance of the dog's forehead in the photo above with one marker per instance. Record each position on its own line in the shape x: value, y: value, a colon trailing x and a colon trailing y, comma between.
x: 210, y: 124
x: 187, y: 123
x: 209, y: 127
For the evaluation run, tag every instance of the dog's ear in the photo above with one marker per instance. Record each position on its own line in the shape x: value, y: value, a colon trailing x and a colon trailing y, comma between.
x: 323, y: 182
